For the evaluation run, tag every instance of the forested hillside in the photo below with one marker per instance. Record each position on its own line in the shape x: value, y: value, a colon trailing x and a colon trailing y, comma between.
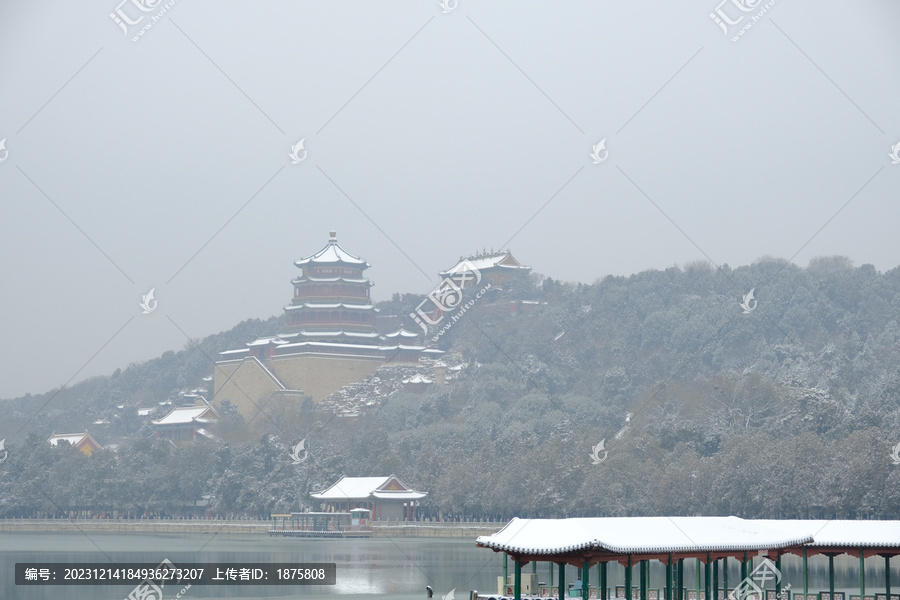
x: 791, y: 409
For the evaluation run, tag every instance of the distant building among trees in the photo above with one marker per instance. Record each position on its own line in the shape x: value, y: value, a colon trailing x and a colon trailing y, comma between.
x: 83, y: 442
x: 384, y: 497
x: 187, y: 423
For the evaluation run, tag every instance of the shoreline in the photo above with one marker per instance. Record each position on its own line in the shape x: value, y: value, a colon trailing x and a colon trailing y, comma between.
x: 396, y: 529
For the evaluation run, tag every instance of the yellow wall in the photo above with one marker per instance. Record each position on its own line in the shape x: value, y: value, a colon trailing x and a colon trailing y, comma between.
x: 319, y: 375
x: 246, y: 389
x: 316, y: 375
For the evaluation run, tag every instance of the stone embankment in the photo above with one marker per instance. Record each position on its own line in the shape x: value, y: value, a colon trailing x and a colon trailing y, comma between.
x: 468, y: 529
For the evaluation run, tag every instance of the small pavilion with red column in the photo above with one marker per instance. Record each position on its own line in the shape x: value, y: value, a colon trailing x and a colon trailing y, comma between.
x: 387, y: 498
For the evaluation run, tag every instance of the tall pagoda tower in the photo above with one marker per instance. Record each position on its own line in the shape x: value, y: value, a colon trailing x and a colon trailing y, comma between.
x: 331, y: 339
x: 331, y: 300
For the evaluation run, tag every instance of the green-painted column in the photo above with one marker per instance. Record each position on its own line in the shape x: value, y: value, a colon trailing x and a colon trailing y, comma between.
x: 604, y: 592
x: 680, y: 577
x: 628, y: 579
x: 806, y: 574
x: 585, y: 579
x: 862, y: 576
x: 698, y: 578
x: 669, y: 578
x: 599, y: 595
x: 562, y: 580
x: 725, y: 576
x: 517, y: 590
x: 534, y: 567
x: 505, y: 571
x: 744, y: 568
x: 715, y: 586
x: 831, y: 576
x: 551, y: 576
x: 887, y: 577
x: 643, y: 568
x: 707, y: 578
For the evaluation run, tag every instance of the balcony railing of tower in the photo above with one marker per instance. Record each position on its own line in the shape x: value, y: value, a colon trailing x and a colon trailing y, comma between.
x: 325, y: 318
x: 318, y: 291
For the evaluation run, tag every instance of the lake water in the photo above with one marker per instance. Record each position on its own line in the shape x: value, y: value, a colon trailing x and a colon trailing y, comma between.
x: 367, y: 569
x: 372, y: 568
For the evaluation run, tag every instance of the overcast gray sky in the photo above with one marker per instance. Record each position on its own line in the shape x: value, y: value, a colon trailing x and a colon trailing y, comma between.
x: 163, y: 163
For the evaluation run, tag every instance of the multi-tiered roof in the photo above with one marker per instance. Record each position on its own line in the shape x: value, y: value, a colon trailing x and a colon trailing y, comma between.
x: 331, y: 298
x: 331, y: 312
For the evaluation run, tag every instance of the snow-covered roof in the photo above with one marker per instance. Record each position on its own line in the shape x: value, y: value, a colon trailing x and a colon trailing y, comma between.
x: 644, y: 535
x: 402, y: 333
x: 418, y: 379
x: 403, y: 347
x: 332, y: 253
x: 72, y: 438
x: 399, y: 495
x: 188, y: 414
x: 265, y: 341
x: 205, y: 433
x: 498, y: 260
x: 238, y: 351
x: 366, y: 487
x: 329, y: 305
x: 328, y: 345
x: 339, y: 332
x: 335, y: 279
x: 857, y: 534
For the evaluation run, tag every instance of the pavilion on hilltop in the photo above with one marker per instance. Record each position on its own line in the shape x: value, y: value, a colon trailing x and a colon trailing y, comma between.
x: 494, y: 267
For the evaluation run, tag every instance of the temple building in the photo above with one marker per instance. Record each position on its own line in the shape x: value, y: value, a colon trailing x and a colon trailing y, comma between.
x: 331, y: 338
x: 83, y: 442
x: 384, y: 497
x: 187, y: 423
x: 496, y: 268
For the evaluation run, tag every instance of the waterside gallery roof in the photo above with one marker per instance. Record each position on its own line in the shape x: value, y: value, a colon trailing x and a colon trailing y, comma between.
x: 685, y: 535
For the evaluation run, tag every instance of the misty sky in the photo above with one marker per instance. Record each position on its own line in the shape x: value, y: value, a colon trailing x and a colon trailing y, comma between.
x: 163, y: 163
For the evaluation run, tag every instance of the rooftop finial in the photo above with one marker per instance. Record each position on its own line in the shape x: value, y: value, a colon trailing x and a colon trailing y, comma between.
x: 333, y: 234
